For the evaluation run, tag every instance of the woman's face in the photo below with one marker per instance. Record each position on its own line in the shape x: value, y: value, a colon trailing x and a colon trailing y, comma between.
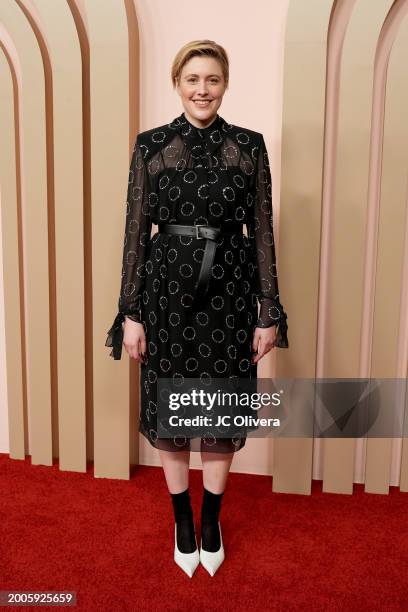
x: 201, y: 79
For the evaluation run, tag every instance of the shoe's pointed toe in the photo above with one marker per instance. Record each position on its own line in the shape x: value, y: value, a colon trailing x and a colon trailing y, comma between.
x: 211, y: 561
x: 188, y: 562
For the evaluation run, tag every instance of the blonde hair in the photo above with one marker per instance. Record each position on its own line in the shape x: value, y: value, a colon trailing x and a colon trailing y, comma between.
x: 200, y: 47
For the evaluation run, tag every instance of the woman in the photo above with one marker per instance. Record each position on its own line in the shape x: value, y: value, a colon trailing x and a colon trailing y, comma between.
x: 189, y: 294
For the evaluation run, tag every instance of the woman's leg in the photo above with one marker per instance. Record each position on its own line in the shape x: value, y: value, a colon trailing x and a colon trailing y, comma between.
x: 216, y: 468
x: 176, y: 470
x: 176, y: 466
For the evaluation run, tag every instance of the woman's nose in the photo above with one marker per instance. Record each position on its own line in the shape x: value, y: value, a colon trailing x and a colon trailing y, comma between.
x: 202, y: 89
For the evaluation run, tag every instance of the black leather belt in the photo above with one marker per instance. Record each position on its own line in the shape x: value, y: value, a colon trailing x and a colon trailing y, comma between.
x: 211, y: 234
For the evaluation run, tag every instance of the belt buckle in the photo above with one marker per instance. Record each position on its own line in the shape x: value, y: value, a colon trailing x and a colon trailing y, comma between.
x: 200, y: 225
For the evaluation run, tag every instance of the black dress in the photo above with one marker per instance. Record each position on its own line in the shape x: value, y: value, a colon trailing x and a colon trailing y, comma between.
x: 187, y: 175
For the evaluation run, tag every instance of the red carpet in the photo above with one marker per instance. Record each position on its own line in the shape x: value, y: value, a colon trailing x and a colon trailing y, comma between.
x: 111, y: 541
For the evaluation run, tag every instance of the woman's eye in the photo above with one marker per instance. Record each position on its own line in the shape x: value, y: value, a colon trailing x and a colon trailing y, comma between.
x: 213, y: 81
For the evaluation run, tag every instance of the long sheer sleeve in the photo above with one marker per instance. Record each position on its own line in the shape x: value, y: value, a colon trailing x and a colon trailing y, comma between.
x: 137, y: 234
x: 261, y: 238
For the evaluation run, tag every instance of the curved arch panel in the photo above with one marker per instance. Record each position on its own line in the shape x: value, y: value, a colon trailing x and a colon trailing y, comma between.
x: 302, y: 156
x: 387, y: 237
x: 10, y: 204
x: 110, y: 48
x: 34, y: 197
x: 341, y: 353
x: 56, y: 33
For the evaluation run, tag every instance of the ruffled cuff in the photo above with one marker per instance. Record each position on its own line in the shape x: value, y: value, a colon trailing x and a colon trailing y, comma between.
x: 273, y: 314
x: 282, y: 333
x: 115, y: 335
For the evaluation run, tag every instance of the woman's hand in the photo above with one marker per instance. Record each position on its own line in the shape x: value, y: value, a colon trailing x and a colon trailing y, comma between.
x: 263, y: 341
x: 134, y: 340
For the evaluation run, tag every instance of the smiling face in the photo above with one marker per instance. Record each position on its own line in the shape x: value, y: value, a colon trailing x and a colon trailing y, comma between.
x: 201, y: 87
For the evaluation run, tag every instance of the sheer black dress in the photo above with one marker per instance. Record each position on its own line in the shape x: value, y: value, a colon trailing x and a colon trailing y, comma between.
x: 187, y: 175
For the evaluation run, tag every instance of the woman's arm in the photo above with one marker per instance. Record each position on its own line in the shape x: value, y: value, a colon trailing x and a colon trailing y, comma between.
x: 260, y: 235
x: 137, y: 234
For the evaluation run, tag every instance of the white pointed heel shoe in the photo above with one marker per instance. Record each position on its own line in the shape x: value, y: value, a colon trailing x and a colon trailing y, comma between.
x: 187, y: 561
x: 212, y: 560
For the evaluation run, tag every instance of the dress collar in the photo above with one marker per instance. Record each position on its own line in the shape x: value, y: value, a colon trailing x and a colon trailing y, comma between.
x: 201, y: 140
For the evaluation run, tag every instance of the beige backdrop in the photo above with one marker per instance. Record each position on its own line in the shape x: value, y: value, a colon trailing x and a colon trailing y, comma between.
x: 325, y: 82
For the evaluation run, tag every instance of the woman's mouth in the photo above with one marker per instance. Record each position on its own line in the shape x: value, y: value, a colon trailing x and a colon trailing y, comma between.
x: 202, y: 103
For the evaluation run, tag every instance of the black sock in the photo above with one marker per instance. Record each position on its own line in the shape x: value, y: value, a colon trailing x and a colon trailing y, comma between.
x: 210, y: 510
x: 183, y: 516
